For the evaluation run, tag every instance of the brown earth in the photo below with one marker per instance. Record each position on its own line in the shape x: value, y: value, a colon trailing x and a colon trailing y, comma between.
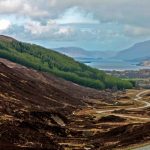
x: 40, y: 111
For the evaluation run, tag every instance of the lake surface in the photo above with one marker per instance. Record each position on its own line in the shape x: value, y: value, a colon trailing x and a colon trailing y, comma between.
x: 111, y: 64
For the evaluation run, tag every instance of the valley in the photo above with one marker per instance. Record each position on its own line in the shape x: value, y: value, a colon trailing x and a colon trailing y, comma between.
x: 75, y: 75
x: 41, y: 111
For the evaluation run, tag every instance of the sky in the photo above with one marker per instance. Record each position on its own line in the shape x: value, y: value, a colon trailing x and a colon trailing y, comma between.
x: 103, y: 25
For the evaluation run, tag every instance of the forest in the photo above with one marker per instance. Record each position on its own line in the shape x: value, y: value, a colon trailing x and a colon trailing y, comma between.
x: 46, y: 60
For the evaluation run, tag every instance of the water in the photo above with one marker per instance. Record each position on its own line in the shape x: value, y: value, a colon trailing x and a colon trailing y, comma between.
x: 111, y: 64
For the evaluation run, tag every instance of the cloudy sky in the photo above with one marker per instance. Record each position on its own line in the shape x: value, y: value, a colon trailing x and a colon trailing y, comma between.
x: 90, y: 24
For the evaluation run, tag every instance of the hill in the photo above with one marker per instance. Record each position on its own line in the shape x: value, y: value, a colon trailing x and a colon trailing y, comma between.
x: 47, y: 60
x: 60, y: 84
x: 33, y: 106
x: 137, y: 52
x: 38, y: 111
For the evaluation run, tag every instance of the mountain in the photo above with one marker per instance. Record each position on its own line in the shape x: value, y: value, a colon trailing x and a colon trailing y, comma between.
x: 60, y: 65
x: 137, y: 52
x: 77, y: 52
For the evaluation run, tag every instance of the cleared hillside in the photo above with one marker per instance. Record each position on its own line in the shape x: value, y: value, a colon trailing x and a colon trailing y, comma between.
x: 38, y: 111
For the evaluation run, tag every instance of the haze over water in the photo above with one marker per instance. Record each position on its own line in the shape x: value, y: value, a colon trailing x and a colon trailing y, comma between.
x: 112, y: 64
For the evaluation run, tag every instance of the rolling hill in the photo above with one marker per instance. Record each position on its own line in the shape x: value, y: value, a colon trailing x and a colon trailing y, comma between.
x: 34, y: 105
x: 38, y: 111
x: 46, y: 60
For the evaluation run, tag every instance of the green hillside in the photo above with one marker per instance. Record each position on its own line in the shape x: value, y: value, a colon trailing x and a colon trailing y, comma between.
x: 47, y: 60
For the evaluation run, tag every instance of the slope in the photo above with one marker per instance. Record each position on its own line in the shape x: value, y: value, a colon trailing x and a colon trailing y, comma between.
x: 47, y: 60
x: 38, y: 112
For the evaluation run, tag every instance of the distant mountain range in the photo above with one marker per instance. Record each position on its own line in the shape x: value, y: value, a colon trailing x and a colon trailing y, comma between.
x: 139, y: 52
x: 77, y: 52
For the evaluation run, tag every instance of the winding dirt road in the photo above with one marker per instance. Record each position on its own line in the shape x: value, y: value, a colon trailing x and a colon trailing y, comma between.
x: 137, y: 98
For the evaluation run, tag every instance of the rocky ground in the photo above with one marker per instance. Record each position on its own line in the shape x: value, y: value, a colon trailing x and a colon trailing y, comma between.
x: 40, y: 111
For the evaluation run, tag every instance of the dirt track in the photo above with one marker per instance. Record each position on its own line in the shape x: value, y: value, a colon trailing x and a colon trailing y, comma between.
x: 138, y: 98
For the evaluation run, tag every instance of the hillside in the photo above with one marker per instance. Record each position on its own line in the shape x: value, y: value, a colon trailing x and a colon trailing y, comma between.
x: 60, y: 84
x: 38, y: 111
x: 33, y: 104
x: 137, y: 52
x: 47, y: 60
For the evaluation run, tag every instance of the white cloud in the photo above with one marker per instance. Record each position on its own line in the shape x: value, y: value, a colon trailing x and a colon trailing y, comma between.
x: 33, y: 11
x: 37, y: 28
x: 136, y: 31
x: 72, y: 20
x: 9, y: 6
x: 51, y: 30
x: 122, y: 11
x: 76, y: 15
x: 26, y: 8
x: 4, y: 24
x: 135, y: 12
x: 54, y: 31
x: 64, y: 31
